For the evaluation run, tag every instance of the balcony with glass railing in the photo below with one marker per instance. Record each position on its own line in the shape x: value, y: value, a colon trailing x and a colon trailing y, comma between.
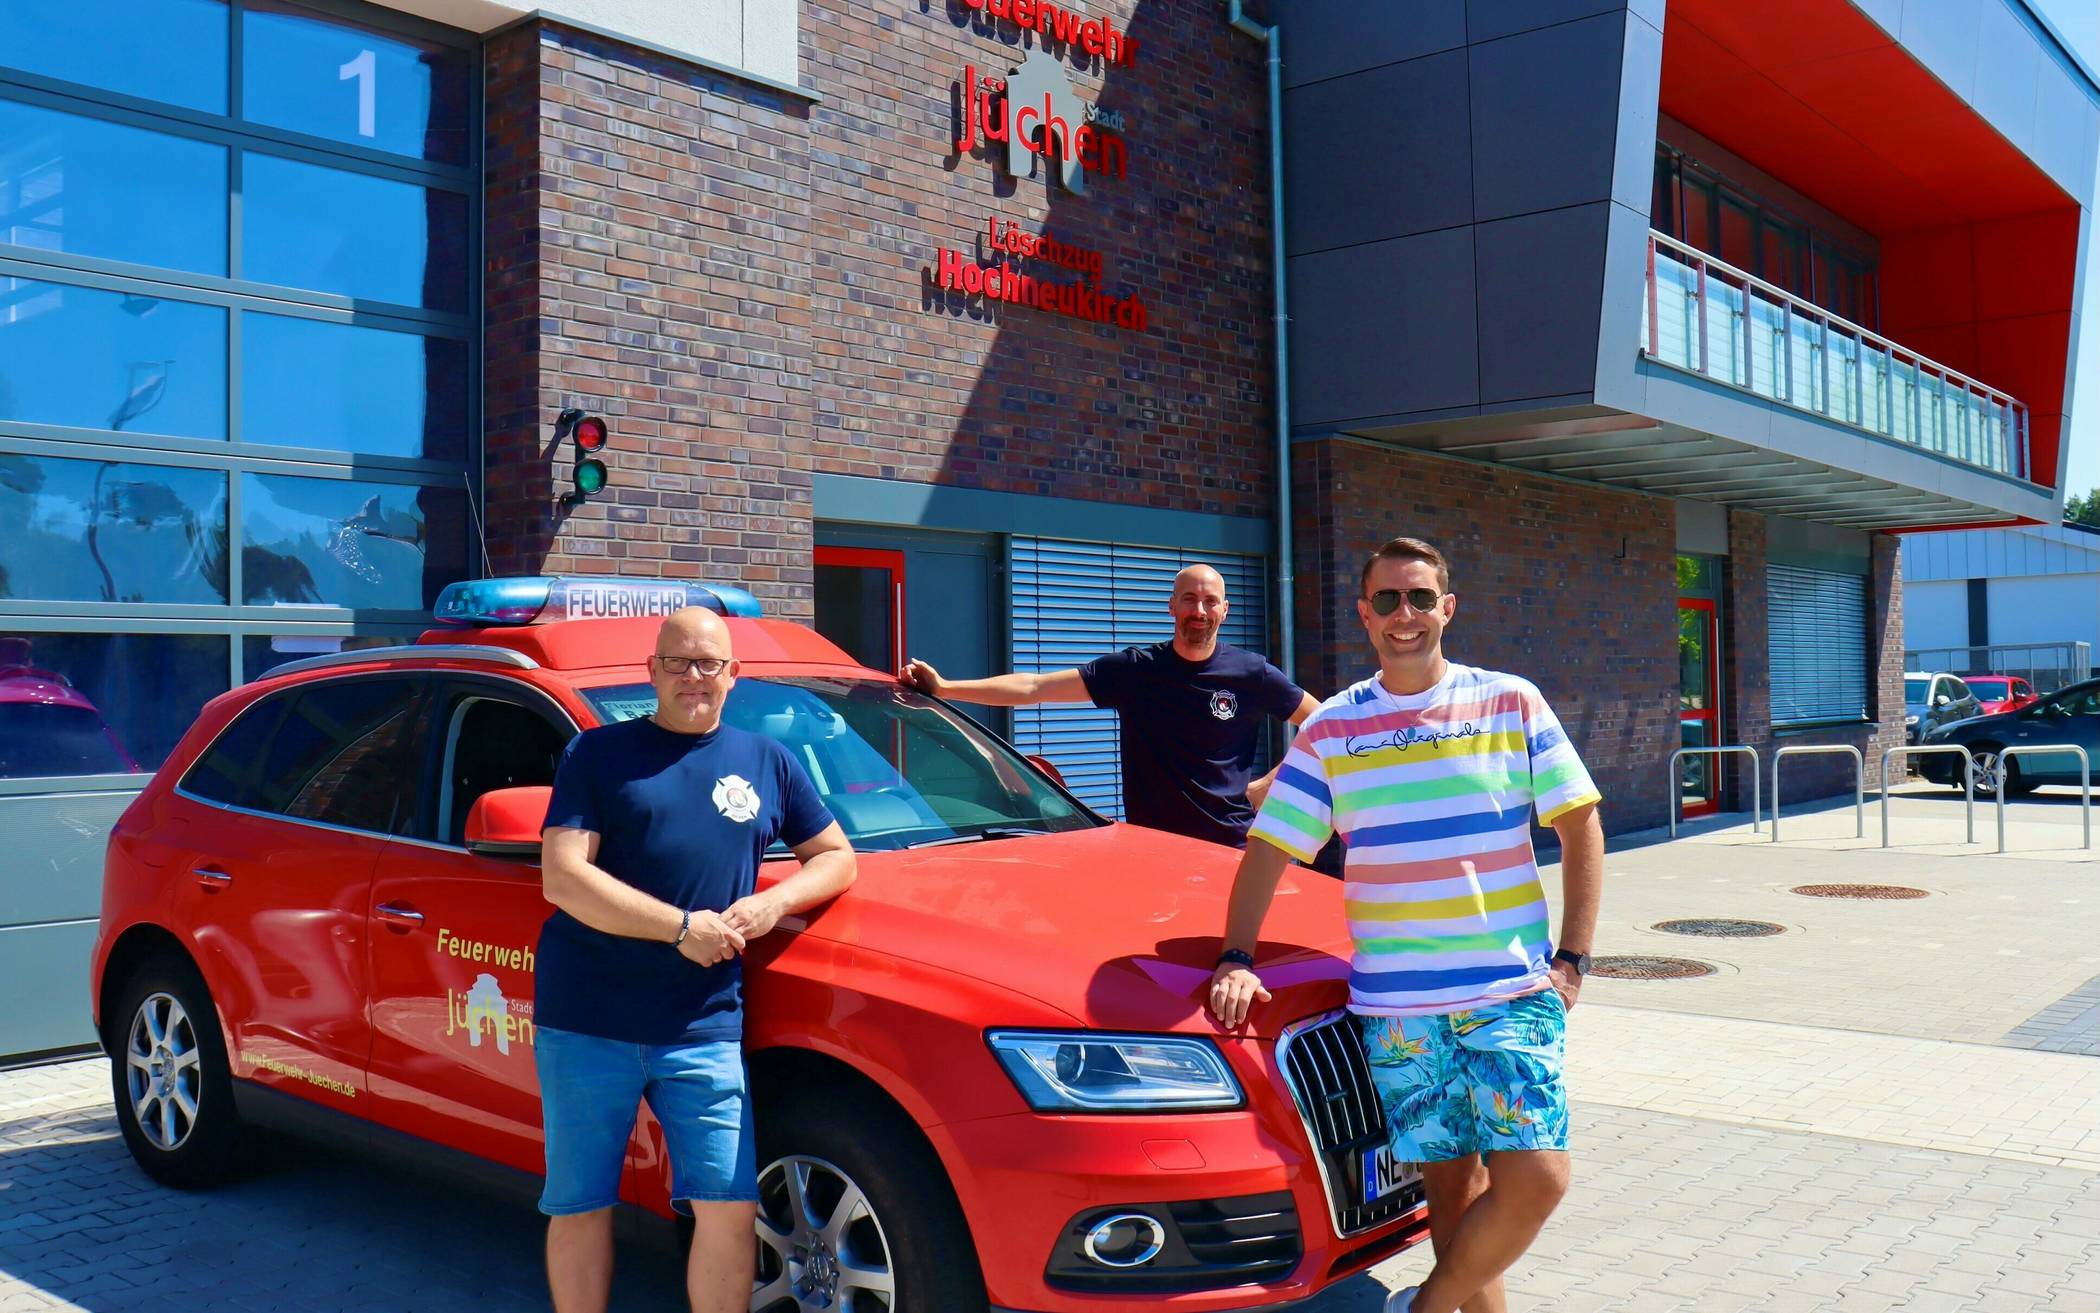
x: 1714, y: 320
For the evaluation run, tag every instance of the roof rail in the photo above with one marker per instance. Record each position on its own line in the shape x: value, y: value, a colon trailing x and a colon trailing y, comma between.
x: 501, y: 656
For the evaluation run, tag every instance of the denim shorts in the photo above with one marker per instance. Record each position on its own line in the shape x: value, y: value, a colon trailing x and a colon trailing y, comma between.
x: 590, y: 1089
x: 1484, y: 1080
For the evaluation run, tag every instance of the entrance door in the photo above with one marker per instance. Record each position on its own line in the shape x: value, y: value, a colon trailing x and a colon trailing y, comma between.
x: 860, y: 603
x: 1698, y: 703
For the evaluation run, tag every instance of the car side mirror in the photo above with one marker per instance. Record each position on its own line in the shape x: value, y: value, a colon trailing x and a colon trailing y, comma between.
x: 1943, y: 700
x: 1043, y: 764
x: 506, y: 823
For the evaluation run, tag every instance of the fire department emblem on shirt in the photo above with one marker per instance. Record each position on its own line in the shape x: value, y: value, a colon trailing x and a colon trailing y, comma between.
x: 1224, y: 705
x: 735, y: 798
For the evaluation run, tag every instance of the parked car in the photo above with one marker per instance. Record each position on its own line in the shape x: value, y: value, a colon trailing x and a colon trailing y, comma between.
x: 2000, y: 693
x: 1933, y: 700
x: 49, y: 727
x: 983, y: 1076
x: 2067, y: 716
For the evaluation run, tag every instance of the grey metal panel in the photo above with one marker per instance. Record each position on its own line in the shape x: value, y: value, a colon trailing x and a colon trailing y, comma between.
x: 1384, y: 329
x: 1541, y: 280
x: 1412, y: 173
x: 851, y: 499
x: 2008, y: 63
x: 54, y: 848
x: 1942, y: 35
x: 1702, y: 528
x: 44, y: 971
x: 1640, y: 95
x: 2064, y: 132
x: 1330, y: 38
x: 1622, y: 308
x: 1489, y: 20
x: 1545, y: 117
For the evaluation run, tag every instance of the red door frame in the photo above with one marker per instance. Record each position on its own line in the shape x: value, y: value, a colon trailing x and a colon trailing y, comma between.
x: 1710, y: 715
x: 889, y: 561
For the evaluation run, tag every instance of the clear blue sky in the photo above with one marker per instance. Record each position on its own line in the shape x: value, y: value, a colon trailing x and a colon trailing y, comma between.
x: 2078, y: 21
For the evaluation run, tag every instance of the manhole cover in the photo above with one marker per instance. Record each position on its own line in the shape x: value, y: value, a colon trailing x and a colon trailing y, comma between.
x: 1649, y: 968
x: 1720, y: 929
x: 1859, y: 891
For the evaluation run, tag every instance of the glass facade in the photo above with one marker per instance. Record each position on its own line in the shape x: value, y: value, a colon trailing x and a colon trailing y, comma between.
x: 237, y: 390
x: 1700, y: 208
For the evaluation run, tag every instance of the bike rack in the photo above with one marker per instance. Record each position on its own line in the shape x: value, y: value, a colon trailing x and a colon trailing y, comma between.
x: 1756, y: 788
x: 1968, y: 782
x: 2085, y: 783
x: 1859, y: 782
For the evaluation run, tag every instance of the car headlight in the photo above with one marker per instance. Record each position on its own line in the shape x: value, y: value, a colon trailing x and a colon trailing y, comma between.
x: 1910, y: 720
x: 1088, y: 1071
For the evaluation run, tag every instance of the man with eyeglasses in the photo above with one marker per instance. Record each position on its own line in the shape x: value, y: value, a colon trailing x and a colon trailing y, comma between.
x: 650, y: 853
x: 1431, y: 771
x: 1191, y: 712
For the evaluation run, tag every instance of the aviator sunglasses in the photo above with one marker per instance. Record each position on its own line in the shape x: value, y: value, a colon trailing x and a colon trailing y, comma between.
x: 1387, y: 600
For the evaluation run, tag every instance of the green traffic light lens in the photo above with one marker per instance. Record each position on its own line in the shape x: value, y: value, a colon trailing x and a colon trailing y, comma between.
x: 590, y: 476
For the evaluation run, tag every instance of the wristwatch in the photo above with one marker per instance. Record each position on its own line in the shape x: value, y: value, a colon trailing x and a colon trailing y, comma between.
x: 1580, y: 961
x: 1236, y: 956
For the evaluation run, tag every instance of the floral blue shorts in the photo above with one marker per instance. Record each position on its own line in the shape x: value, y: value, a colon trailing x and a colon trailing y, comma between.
x: 1480, y: 1081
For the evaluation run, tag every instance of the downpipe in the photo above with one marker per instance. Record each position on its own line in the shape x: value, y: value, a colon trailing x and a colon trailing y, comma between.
x: 1286, y: 603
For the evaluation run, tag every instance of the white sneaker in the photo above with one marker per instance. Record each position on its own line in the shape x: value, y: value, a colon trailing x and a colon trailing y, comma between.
x: 1401, y: 1301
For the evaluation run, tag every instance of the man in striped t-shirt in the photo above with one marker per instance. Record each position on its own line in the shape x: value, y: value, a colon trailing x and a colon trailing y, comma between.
x: 1431, y: 773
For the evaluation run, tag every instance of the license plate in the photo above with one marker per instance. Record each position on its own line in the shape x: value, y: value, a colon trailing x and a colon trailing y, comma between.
x: 1384, y: 1174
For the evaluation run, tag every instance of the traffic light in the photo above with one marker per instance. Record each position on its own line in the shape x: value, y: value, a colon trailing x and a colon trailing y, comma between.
x: 589, y: 433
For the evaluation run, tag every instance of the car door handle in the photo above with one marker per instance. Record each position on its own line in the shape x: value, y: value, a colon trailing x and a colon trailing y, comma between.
x: 399, y: 917
x: 213, y: 881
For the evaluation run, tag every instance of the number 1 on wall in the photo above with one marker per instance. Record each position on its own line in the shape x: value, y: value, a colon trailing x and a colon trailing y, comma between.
x: 365, y: 68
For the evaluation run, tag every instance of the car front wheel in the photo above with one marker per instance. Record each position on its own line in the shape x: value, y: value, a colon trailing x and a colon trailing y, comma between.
x: 170, y: 1081
x: 855, y: 1216
x: 1993, y: 771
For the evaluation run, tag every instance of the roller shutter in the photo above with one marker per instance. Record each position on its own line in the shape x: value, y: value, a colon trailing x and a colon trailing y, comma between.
x: 1818, y: 645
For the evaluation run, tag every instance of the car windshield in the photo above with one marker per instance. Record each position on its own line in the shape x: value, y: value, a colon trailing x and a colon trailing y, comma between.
x: 1991, y: 690
x: 1914, y: 690
x: 895, y: 767
x: 41, y: 738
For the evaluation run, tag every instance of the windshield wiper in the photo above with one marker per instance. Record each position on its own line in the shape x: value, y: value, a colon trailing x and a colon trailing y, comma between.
x: 995, y: 832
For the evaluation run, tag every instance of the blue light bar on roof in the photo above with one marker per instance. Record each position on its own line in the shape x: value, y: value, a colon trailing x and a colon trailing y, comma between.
x: 545, y: 599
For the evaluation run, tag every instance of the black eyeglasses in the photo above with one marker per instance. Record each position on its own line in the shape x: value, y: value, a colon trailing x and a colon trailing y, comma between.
x: 1387, y: 600
x: 708, y: 667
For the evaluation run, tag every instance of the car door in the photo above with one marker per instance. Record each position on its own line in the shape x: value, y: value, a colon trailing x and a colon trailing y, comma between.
x: 453, y: 934
x: 288, y: 813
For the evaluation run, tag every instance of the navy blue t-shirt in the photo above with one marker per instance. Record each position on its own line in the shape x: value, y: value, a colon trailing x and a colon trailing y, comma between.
x: 1189, y: 732
x: 685, y: 818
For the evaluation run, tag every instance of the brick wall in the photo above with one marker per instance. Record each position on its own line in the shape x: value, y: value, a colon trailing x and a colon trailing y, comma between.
x: 1572, y: 587
x: 648, y: 262
x: 915, y: 383
x: 738, y: 281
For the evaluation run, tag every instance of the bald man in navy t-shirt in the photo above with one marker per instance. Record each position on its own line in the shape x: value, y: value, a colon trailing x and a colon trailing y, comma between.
x: 1192, y: 711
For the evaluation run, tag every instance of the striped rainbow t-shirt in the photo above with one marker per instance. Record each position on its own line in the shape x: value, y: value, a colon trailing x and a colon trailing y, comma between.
x: 1433, y: 794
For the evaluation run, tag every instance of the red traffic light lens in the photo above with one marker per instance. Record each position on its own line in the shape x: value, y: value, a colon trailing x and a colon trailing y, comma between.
x: 590, y: 433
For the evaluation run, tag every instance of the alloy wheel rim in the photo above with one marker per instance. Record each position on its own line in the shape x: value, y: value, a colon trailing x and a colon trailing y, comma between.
x: 163, y: 1071
x: 1989, y: 773
x: 820, y: 1246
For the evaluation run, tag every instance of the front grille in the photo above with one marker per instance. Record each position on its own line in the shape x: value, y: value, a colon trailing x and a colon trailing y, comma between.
x: 1330, y: 1077
x: 1208, y: 1244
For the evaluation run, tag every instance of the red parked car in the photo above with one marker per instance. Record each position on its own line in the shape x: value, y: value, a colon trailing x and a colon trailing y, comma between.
x: 983, y: 1076
x: 2000, y: 693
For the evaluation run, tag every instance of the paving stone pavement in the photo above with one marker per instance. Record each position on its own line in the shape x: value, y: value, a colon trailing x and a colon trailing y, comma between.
x: 1889, y: 1107
x: 2069, y: 1025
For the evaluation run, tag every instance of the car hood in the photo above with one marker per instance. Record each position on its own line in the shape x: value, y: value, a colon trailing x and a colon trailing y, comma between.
x: 1117, y: 927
